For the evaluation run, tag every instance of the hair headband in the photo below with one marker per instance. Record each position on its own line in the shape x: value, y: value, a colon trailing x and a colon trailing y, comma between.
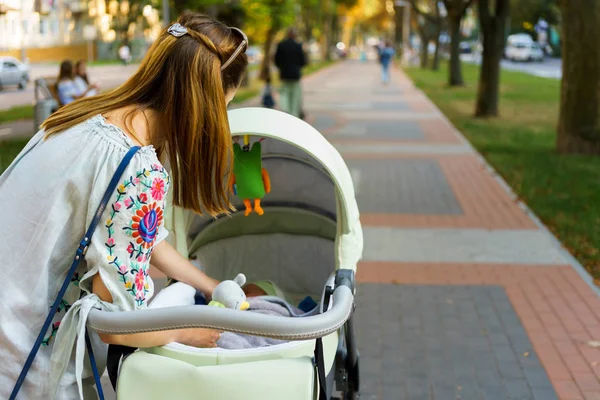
x: 179, y: 30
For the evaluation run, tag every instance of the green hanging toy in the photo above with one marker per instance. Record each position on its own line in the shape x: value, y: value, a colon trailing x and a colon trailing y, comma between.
x: 249, y: 181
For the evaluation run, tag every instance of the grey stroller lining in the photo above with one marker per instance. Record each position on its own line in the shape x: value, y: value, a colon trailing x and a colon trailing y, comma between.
x: 267, y: 305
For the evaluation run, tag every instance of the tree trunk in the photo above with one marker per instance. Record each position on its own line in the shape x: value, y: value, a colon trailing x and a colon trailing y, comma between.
x: 424, y: 53
x: 489, y: 76
x: 265, y: 67
x: 579, y: 117
x: 436, y: 55
x: 455, y: 77
x: 493, y: 30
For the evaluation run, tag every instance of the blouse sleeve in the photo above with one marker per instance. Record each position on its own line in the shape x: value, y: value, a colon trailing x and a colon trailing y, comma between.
x: 131, y: 226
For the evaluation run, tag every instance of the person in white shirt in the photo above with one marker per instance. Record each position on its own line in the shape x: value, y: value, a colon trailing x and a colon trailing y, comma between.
x: 82, y: 82
x: 125, y: 54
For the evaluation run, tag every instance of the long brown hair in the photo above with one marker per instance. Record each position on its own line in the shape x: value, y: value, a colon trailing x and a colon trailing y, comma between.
x: 181, y: 80
x: 78, y: 65
x: 65, y: 71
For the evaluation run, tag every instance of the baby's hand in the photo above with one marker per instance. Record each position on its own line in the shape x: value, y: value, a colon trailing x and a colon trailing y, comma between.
x: 199, y: 337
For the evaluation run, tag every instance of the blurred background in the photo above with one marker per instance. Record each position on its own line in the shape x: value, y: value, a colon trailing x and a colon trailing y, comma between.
x: 493, y: 67
x: 41, y: 33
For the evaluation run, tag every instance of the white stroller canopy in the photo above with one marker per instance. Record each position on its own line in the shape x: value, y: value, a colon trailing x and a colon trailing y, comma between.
x: 306, y: 144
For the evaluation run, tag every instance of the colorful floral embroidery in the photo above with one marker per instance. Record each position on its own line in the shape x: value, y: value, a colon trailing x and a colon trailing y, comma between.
x: 48, y: 339
x: 146, y: 206
x: 158, y: 189
x: 145, y: 223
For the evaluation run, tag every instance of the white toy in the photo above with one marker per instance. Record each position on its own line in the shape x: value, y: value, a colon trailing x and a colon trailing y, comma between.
x: 229, y: 294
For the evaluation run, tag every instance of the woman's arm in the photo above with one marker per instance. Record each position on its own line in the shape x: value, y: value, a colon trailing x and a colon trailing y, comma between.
x: 197, y: 337
x: 167, y: 260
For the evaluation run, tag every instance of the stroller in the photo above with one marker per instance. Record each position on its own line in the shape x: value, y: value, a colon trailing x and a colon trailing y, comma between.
x: 309, y: 241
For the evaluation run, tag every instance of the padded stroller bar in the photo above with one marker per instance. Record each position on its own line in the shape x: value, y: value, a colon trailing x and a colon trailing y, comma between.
x: 284, y: 328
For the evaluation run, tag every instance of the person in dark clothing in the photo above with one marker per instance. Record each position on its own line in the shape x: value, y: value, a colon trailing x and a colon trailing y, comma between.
x: 290, y: 59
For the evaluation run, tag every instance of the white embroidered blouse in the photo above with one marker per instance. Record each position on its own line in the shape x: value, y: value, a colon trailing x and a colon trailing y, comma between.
x: 48, y: 197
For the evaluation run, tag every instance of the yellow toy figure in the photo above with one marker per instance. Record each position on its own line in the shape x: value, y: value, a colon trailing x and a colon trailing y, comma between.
x: 249, y: 180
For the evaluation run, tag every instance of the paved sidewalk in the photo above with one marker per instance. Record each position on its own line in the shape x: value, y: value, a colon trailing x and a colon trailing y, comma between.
x: 463, y: 294
x: 17, y: 129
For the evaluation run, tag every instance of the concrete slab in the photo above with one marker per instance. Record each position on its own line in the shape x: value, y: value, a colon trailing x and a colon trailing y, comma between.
x: 460, y: 245
x: 381, y: 130
x: 419, y: 187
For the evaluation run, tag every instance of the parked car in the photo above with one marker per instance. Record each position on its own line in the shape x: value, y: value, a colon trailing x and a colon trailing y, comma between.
x: 521, y: 47
x: 13, y: 72
x: 254, y: 54
x: 465, y: 48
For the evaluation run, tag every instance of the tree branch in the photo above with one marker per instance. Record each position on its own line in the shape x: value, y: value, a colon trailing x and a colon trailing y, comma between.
x: 433, y: 19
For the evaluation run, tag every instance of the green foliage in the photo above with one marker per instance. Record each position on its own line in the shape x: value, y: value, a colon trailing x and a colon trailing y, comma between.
x: 264, y: 15
x: 563, y: 190
x: 526, y: 13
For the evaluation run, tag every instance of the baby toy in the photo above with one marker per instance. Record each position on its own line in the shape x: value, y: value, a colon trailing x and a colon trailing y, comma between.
x: 249, y: 180
x: 229, y: 294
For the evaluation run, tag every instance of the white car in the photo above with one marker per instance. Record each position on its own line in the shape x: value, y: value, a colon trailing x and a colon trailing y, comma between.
x: 523, y: 49
x: 13, y: 72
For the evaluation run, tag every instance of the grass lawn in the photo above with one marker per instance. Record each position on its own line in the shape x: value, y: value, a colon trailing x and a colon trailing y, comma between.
x: 16, y: 113
x: 563, y: 190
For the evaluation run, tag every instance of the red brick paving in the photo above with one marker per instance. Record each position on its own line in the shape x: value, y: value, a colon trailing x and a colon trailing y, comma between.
x: 559, y: 312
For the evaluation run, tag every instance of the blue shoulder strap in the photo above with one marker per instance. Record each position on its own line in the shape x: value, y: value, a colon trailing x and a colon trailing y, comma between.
x: 79, y: 255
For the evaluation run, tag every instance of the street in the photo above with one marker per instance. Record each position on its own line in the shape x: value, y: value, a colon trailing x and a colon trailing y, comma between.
x: 549, y: 68
x: 108, y: 76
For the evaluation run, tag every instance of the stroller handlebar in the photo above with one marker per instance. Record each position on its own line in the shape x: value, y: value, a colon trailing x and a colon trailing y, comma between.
x: 276, y: 327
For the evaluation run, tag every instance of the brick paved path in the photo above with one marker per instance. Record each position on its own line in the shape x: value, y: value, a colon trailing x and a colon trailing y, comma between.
x: 462, y: 294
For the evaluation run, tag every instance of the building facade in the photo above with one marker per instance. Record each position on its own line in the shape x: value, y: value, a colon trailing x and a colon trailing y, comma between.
x: 37, y: 29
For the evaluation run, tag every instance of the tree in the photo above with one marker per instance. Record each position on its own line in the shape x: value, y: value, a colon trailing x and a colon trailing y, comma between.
x: 493, y: 28
x: 438, y: 32
x: 579, y: 117
x: 429, y: 26
x: 455, y: 10
x: 264, y: 20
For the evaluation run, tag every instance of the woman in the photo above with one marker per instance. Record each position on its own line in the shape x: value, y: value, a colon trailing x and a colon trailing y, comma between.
x: 82, y: 83
x: 66, y: 87
x: 175, y: 107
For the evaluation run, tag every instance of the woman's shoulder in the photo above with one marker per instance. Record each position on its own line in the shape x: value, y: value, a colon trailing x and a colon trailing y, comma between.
x: 106, y: 139
x: 65, y: 83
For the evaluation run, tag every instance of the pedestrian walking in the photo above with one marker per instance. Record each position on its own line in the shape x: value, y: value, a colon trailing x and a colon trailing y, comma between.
x: 268, y: 100
x: 290, y: 59
x: 125, y: 53
x: 386, y: 57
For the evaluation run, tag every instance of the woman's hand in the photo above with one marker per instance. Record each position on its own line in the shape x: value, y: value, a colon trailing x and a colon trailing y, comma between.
x: 198, y: 337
